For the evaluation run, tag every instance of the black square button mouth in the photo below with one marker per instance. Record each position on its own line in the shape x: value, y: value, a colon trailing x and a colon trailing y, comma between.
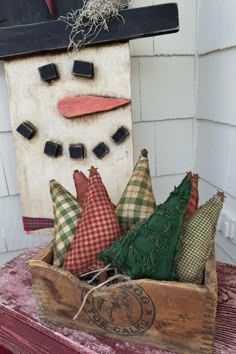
x: 83, y: 69
x: 27, y: 130
x: 52, y: 149
x: 120, y: 135
x: 101, y: 150
x: 77, y: 151
x: 48, y: 72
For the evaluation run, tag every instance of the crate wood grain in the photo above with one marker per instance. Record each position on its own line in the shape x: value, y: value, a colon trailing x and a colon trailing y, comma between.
x: 169, y: 315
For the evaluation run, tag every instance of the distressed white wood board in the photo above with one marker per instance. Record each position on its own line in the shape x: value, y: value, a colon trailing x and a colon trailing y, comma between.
x: 35, y: 101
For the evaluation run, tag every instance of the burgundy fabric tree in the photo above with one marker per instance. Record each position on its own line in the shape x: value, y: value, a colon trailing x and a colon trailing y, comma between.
x: 50, y: 5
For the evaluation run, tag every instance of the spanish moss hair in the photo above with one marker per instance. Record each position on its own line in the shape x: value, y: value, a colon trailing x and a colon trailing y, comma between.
x: 86, y: 23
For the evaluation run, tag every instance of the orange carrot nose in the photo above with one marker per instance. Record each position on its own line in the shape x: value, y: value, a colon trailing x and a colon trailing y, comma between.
x: 74, y: 107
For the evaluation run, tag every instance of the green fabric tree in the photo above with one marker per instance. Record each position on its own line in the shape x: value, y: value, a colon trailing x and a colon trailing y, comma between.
x: 148, y: 250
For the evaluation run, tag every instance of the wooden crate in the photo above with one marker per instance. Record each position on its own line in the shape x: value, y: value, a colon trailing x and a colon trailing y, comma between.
x: 169, y: 315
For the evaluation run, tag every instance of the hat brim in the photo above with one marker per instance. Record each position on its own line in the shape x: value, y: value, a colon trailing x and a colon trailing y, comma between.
x: 53, y: 35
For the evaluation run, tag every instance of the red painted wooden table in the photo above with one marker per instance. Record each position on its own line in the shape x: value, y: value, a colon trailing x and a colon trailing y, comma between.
x: 22, y: 332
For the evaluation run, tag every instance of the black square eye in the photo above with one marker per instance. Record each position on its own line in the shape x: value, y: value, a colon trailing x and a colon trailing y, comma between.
x: 27, y: 130
x: 77, y: 151
x: 83, y: 69
x: 120, y: 135
x: 101, y: 150
x: 52, y: 149
x: 48, y: 72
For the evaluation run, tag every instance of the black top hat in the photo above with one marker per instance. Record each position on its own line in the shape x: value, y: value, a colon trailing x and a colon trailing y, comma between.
x: 27, y: 26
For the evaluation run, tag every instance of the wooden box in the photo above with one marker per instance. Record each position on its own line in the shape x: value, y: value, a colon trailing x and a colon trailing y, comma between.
x: 169, y: 315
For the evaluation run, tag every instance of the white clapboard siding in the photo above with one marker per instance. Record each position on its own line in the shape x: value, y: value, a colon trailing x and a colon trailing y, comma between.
x: 7, y: 256
x: 167, y: 87
x: 174, y: 146
x: 213, y: 152
x: 3, y: 244
x: 135, y: 89
x: 226, y: 245
x: 144, y: 137
x: 5, y: 124
x: 228, y: 26
x: 3, y: 183
x: 209, y: 25
x: 11, y: 225
x: 217, y: 86
x: 162, y: 186
x: 182, y: 42
x: 222, y: 256
x: 9, y: 162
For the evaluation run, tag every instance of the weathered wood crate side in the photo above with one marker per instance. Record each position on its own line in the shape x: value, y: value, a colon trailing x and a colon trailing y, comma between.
x: 169, y: 315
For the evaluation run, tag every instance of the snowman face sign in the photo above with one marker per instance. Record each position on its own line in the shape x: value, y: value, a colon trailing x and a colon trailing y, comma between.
x: 38, y: 102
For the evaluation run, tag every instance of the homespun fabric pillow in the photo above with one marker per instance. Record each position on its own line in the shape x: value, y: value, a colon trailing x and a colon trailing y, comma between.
x: 148, y: 249
x: 197, y: 240
x: 97, y: 228
x: 67, y: 211
x: 194, y: 199
x: 81, y: 186
x: 137, y: 202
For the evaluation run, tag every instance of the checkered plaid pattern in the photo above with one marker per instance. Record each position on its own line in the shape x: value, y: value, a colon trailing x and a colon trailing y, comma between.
x: 194, y: 199
x: 137, y: 202
x: 97, y: 228
x: 66, y: 212
x: 197, y: 241
x: 81, y: 186
x: 32, y: 224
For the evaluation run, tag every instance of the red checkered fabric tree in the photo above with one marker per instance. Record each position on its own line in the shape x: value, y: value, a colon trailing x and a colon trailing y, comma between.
x: 194, y: 199
x: 81, y: 186
x: 97, y: 229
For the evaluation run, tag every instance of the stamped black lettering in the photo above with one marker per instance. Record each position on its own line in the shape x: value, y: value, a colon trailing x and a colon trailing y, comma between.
x: 117, y: 329
x: 96, y: 318
x: 145, y: 300
x: 138, y: 291
x: 128, y: 311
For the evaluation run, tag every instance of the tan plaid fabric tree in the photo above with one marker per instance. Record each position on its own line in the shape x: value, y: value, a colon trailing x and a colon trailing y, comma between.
x: 66, y: 212
x: 137, y: 202
x: 197, y: 240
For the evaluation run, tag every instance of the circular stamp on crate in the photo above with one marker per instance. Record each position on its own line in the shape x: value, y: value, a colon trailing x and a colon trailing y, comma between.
x: 126, y: 311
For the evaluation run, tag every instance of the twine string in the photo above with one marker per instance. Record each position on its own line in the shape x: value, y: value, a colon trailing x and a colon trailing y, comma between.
x: 118, y: 276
